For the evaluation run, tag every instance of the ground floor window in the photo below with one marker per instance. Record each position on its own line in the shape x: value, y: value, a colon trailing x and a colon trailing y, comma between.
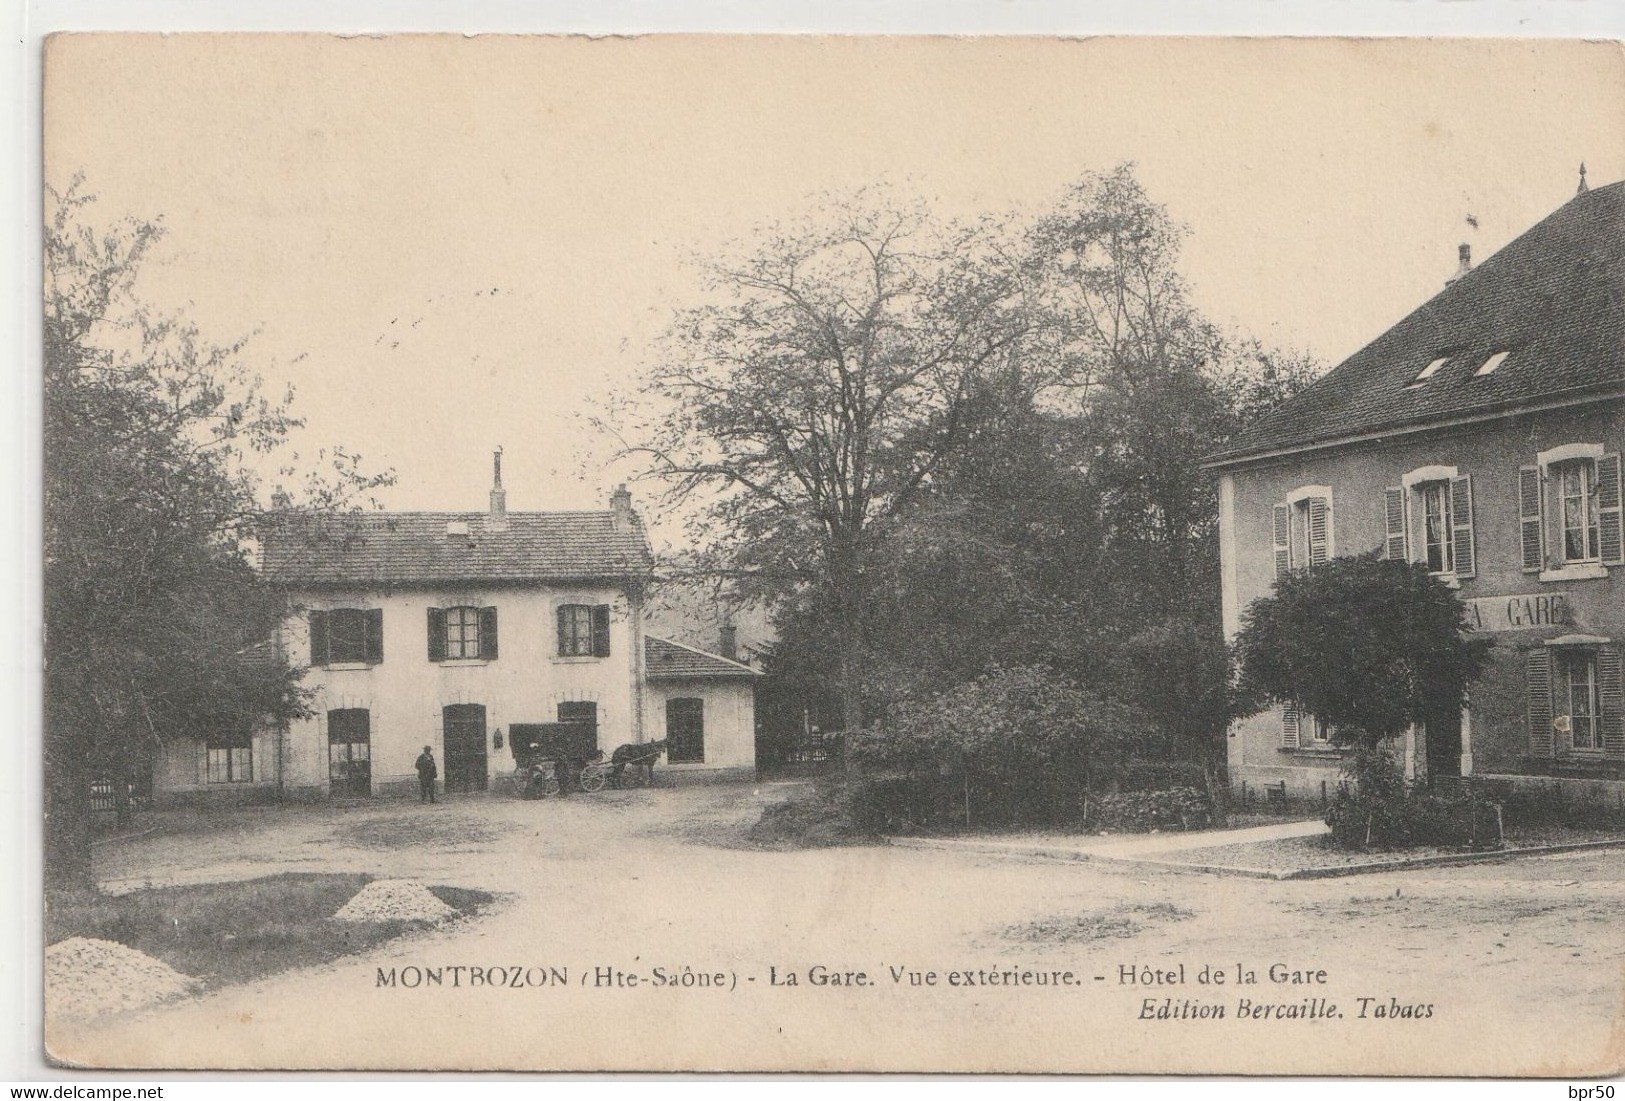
x: 231, y: 758
x: 349, y: 750
x: 1576, y: 695
x: 1577, y: 698
x: 685, y: 731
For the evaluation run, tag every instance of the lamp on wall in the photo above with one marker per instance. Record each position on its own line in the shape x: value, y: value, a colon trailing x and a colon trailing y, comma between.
x: 496, y: 738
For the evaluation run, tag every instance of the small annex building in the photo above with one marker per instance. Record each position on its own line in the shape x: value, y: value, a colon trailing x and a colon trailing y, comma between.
x: 446, y: 629
x: 1481, y: 435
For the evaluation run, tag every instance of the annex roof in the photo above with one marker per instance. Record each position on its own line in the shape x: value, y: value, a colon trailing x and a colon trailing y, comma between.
x: 426, y: 548
x: 1551, y: 303
x: 664, y: 659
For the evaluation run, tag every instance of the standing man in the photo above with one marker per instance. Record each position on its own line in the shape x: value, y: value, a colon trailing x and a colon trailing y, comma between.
x: 427, y: 771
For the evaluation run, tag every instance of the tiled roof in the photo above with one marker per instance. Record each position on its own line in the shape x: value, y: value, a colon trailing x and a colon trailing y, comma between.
x: 667, y: 660
x: 1554, y: 299
x: 413, y: 548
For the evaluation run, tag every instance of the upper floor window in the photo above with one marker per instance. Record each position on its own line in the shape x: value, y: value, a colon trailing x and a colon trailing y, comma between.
x: 1569, y: 510
x: 462, y: 633
x: 583, y: 630
x: 1430, y: 519
x: 1303, y: 529
x: 1438, y: 538
x: 1302, y: 730
x: 343, y: 636
x: 1577, y: 509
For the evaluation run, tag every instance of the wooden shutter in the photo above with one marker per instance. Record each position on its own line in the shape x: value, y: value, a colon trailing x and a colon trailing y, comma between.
x: 488, y: 633
x: 437, y: 634
x: 375, y: 635
x: 1461, y: 520
x: 1538, y: 680
x: 1529, y: 518
x: 1283, y: 533
x: 1611, y: 691
x: 1289, y: 725
x: 1320, y: 530
x: 1393, y: 508
x: 1608, y: 513
x: 600, y: 630
x: 563, y: 614
x: 318, y: 638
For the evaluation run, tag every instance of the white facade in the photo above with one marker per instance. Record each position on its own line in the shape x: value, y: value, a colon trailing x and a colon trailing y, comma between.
x: 405, y: 695
x: 729, y: 711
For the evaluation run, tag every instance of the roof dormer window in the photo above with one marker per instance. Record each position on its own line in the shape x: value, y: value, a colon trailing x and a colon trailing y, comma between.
x: 1431, y: 369
x: 1489, y: 365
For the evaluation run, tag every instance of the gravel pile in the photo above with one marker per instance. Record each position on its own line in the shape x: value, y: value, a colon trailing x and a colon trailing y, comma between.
x: 86, y: 978
x: 394, y: 900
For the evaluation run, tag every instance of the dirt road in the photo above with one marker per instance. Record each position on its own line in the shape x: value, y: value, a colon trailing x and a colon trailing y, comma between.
x: 632, y: 936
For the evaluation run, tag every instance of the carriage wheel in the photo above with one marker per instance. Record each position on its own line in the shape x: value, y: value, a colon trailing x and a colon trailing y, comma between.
x: 592, y: 779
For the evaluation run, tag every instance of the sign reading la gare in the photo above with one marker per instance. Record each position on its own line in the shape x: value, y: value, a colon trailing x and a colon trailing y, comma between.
x: 1522, y: 612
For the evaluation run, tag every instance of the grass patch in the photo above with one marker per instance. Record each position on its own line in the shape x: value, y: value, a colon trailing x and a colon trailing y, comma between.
x: 225, y: 933
x: 1127, y: 920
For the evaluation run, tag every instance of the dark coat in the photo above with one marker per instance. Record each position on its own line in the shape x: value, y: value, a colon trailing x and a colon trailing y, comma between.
x: 427, y: 769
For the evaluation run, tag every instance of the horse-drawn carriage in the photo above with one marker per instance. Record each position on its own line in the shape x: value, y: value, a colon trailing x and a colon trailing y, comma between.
x: 550, y: 758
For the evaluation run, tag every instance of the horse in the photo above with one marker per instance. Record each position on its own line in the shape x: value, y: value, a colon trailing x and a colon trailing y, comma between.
x: 638, y: 754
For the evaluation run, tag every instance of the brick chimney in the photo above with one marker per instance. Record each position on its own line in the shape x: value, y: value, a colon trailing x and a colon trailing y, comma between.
x: 1464, y: 262
x: 621, y: 503
x: 498, y: 520
x: 728, y: 645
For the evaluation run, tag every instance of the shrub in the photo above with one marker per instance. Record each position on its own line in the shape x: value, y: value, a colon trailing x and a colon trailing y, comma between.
x: 1174, y: 808
x: 831, y: 812
x: 1376, y: 809
x: 1023, y: 744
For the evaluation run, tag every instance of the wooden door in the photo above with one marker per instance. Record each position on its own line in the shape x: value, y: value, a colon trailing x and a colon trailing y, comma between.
x: 463, y: 729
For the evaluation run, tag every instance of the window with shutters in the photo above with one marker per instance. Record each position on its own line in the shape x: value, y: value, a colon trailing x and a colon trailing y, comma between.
x: 1576, y: 705
x: 347, y: 636
x: 1303, y: 529
x: 1430, y: 519
x: 462, y: 633
x: 1300, y: 730
x: 583, y: 630
x: 1576, y: 699
x: 1569, y: 508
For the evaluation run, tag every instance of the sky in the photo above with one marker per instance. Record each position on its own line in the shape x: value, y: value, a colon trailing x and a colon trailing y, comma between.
x: 447, y: 244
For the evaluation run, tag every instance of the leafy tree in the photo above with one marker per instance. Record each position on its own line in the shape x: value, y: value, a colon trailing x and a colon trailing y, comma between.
x: 1075, y: 526
x: 812, y: 402
x: 1367, y: 645
x: 1035, y: 498
x: 155, y: 619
